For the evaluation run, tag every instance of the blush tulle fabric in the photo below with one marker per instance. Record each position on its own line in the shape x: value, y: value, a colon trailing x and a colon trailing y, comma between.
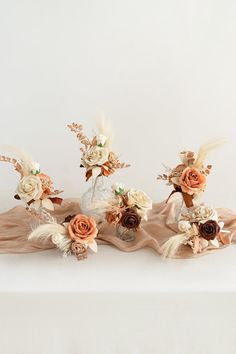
x: 16, y: 224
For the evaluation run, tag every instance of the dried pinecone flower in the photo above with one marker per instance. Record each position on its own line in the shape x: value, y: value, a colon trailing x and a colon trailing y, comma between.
x: 79, y: 250
x: 130, y: 219
x: 209, y: 230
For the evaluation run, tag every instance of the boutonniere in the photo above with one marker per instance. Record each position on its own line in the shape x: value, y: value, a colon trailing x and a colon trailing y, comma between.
x: 76, y: 235
x: 200, y: 229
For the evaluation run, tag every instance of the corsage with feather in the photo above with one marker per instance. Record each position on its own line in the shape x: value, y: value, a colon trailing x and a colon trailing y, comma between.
x: 74, y: 236
x: 97, y: 156
x: 35, y: 188
x: 200, y: 229
x: 126, y: 210
x: 190, y: 176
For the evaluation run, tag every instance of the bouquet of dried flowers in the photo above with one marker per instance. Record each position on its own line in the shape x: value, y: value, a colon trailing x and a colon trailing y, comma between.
x: 97, y: 156
x: 190, y: 176
x: 127, y: 209
x: 74, y: 236
x: 200, y: 229
x: 35, y: 188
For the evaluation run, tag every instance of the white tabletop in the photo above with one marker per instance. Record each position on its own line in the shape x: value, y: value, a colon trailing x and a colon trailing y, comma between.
x: 113, y: 271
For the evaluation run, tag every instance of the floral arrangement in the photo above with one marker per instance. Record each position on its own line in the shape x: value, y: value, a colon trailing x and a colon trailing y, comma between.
x: 200, y: 229
x: 190, y: 176
x: 74, y: 236
x: 97, y: 156
x: 35, y: 188
x: 128, y: 208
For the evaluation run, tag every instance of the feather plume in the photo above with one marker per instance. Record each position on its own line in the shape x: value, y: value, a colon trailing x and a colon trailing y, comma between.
x: 26, y: 161
x: 105, y: 128
x: 47, y: 231
x: 170, y: 247
x: 205, y: 149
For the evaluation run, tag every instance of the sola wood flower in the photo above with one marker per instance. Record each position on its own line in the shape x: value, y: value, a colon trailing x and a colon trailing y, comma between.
x: 35, y: 189
x: 74, y: 236
x: 128, y: 207
x: 190, y: 176
x: 97, y: 156
x: 199, y: 228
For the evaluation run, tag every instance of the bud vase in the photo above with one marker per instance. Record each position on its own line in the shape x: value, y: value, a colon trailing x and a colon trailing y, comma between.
x: 94, y: 200
x: 181, y: 205
x: 127, y: 235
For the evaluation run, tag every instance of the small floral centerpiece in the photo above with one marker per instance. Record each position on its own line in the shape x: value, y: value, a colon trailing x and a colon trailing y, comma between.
x: 126, y: 210
x: 99, y: 161
x: 190, y: 176
x: 74, y: 236
x: 35, y: 188
x: 200, y: 229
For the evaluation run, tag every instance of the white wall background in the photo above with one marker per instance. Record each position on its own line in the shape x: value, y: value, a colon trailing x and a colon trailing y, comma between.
x: 163, y: 71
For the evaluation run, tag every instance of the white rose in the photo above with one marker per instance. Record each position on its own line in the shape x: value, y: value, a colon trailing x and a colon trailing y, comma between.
x: 139, y: 198
x: 30, y: 188
x: 101, y: 140
x: 184, y: 225
x: 35, y: 168
x: 96, y: 156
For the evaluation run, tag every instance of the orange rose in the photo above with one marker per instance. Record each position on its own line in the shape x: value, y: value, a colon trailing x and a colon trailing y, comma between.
x: 82, y: 229
x: 192, y: 181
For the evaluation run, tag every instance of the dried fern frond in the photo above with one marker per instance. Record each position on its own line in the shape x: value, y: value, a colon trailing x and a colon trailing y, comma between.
x: 163, y: 177
x: 14, y: 162
x: 78, y: 130
x: 121, y: 165
x: 204, y: 151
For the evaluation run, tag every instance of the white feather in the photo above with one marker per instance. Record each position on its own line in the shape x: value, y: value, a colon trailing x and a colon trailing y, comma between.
x: 47, y: 231
x: 170, y: 247
x: 205, y: 149
x: 105, y: 128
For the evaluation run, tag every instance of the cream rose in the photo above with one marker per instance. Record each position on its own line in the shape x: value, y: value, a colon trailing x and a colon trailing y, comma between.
x: 30, y: 188
x: 184, y: 225
x: 139, y: 198
x: 96, y: 156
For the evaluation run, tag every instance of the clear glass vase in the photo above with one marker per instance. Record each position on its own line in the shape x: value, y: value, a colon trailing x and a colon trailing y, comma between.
x: 179, y: 208
x: 127, y: 235
x: 94, y: 200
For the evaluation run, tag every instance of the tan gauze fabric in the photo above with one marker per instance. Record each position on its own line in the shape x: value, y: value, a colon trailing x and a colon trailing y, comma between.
x: 16, y: 224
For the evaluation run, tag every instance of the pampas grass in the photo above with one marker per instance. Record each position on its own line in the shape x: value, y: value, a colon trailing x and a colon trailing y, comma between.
x: 205, y: 149
x: 170, y: 247
x: 26, y: 161
x: 47, y: 231
x: 105, y: 128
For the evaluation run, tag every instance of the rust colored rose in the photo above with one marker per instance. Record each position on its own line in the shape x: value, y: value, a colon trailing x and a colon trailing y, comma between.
x: 82, y: 229
x: 130, y: 219
x: 47, y: 184
x: 112, y: 217
x: 192, y: 181
x: 209, y: 230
